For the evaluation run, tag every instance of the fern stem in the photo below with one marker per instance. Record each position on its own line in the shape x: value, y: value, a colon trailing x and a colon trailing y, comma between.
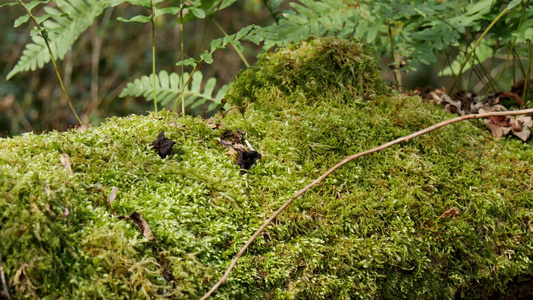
x: 225, y: 34
x: 512, y: 45
x: 271, y: 12
x: 393, y: 59
x: 182, y: 66
x: 475, y: 46
x: 527, y: 80
x: 183, y: 87
x: 153, y: 54
x: 43, y: 34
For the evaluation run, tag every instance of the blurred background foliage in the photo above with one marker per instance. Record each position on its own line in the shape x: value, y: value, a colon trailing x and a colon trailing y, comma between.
x: 429, y: 38
x: 105, y: 58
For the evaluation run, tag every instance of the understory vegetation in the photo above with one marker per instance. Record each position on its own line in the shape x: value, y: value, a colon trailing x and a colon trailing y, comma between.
x: 446, y: 215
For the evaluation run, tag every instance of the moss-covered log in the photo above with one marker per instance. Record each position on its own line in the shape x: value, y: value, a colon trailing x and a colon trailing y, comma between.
x: 376, y: 228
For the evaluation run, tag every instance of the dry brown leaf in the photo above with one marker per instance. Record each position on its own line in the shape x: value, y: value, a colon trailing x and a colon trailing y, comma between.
x: 527, y: 121
x: 113, y: 194
x: 454, y: 211
x: 495, y: 129
x: 141, y: 223
x: 65, y: 161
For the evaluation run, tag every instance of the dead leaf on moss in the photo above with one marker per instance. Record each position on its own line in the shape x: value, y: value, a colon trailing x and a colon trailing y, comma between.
x: 113, y: 194
x: 521, y: 127
x: 65, y: 161
x: 162, y: 145
x: 141, y: 223
x: 213, y: 123
x: 454, y: 211
x: 232, y: 136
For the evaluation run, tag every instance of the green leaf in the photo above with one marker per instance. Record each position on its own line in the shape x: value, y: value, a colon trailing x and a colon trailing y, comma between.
x: 207, y: 57
x: 513, y: 4
x: 167, y: 10
x: 200, y: 14
x: 137, y: 19
x: 226, y: 3
x: 9, y: 4
x: 188, y: 62
x: 21, y: 20
x: 63, y: 24
x: 169, y: 87
x: 528, y: 34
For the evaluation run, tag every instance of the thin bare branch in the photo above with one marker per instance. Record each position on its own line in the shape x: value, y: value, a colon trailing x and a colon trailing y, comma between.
x: 340, y: 164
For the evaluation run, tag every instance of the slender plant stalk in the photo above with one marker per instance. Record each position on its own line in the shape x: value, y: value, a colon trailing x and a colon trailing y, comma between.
x: 527, y: 80
x: 512, y: 45
x: 490, y: 83
x: 475, y: 46
x: 182, y: 66
x: 225, y: 34
x: 265, y: 2
x: 43, y: 34
x: 396, y: 71
x: 342, y: 163
x: 153, y: 54
x: 183, y: 87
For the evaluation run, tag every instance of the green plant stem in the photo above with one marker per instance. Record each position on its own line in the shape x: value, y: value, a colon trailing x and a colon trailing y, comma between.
x: 182, y: 66
x: 512, y: 45
x: 183, y: 87
x: 53, y: 61
x: 238, y: 52
x: 342, y: 163
x: 475, y: 46
x: 527, y: 80
x: 153, y: 54
x: 265, y: 2
x: 393, y: 58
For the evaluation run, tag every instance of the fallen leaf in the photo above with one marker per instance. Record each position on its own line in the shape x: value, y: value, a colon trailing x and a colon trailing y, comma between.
x: 523, y: 134
x: 65, y: 161
x: 454, y: 211
x: 141, y: 223
x: 495, y: 129
x: 113, y: 194
x: 162, y: 145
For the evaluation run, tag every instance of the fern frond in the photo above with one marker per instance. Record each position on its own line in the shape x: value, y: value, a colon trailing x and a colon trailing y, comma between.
x: 169, y: 87
x: 311, y: 17
x: 62, y: 26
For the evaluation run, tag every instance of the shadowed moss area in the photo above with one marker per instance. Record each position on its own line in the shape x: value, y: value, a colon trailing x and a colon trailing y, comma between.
x: 370, y: 230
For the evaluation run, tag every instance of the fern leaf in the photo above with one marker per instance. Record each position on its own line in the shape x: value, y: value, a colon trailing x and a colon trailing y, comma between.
x: 169, y: 87
x: 63, y: 27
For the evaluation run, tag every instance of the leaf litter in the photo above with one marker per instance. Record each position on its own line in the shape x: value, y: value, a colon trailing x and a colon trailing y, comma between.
x: 465, y: 103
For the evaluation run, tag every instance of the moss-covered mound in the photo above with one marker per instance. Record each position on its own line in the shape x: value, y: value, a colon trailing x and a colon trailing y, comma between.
x: 376, y: 228
x: 313, y: 69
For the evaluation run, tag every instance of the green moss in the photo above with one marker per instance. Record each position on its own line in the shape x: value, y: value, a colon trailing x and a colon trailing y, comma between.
x: 310, y: 70
x: 370, y: 230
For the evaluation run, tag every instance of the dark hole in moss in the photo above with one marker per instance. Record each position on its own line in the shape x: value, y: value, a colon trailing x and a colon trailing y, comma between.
x: 162, y: 145
x: 166, y: 268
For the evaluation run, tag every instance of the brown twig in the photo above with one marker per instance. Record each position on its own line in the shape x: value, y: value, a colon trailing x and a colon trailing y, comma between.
x: 343, y: 162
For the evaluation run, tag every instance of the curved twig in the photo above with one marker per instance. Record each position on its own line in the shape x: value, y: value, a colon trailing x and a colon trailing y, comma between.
x: 343, y: 162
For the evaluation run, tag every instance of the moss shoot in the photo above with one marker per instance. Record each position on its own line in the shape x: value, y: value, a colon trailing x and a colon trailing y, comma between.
x: 376, y: 228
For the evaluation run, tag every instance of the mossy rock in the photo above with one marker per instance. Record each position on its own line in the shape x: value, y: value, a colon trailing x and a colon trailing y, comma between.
x: 372, y: 229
